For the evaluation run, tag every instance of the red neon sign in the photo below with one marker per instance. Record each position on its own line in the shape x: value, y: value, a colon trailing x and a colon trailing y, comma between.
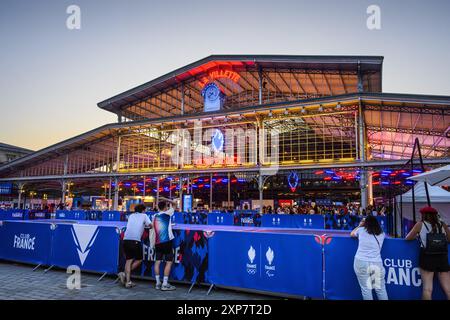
x: 219, y: 73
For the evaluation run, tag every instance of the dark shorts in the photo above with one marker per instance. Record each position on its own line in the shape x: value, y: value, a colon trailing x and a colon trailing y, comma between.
x: 434, y: 262
x: 164, y: 251
x: 132, y: 249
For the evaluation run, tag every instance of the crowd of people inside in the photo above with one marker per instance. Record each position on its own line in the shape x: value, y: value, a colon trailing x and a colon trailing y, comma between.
x: 311, y: 208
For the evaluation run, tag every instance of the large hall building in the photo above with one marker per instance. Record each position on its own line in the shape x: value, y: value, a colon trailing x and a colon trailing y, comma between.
x: 229, y: 128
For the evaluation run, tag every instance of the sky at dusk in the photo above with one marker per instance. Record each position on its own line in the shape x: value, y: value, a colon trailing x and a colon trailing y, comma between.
x: 51, y: 78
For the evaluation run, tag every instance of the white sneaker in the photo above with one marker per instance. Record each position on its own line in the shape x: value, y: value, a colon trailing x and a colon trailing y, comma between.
x: 158, y: 286
x: 122, y: 277
x: 167, y: 287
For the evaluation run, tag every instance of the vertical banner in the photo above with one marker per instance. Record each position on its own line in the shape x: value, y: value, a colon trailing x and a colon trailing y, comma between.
x: 277, y: 263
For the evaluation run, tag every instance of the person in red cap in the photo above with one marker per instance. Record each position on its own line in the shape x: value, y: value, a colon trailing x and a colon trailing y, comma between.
x: 433, y: 235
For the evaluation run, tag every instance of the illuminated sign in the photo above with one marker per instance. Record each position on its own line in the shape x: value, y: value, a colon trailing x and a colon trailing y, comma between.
x: 217, y: 141
x: 213, y: 97
x: 218, y: 74
x: 293, y: 181
x: 187, y: 202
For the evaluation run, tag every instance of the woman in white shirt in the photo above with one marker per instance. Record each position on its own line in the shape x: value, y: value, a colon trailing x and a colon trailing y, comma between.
x: 368, y: 265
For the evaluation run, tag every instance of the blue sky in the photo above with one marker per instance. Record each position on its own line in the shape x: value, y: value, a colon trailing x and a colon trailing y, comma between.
x: 51, y: 78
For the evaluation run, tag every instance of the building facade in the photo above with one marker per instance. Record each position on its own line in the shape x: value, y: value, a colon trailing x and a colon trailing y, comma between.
x: 295, y: 124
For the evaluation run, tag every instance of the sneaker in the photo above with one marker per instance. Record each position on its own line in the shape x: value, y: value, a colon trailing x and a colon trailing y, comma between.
x: 130, y: 285
x: 167, y: 287
x: 122, y: 277
x: 158, y: 286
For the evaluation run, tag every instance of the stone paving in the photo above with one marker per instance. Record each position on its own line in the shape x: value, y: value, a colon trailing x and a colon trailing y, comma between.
x: 18, y: 281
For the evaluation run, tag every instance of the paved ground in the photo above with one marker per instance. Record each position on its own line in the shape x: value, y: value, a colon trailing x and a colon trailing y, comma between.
x: 18, y: 281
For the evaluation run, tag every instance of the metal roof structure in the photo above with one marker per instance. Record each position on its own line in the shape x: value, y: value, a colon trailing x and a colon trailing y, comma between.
x: 282, y: 78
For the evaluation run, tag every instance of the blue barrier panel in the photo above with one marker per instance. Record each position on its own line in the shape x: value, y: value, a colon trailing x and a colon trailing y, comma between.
x: 304, y: 221
x: 25, y: 242
x: 349, y: 222
x: 383, y: 221
x: 341, y: 222
x: 195, y: 217
x: 247, y: 219
x: 79, y: 215
x: 62, y: 214
x: 111, y: 216
x: 91, y: 247
x: 407, y: 226
x: 225, y: 219
x: 39, y: 215
x: 278, y: 263
x: 190, y: 249
x: 400, y: 259
x: 177, y: 217
x: 70, y: 215
x: 12, y: 215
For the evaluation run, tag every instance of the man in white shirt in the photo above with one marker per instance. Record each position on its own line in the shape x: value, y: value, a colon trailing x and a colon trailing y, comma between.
x: 132, y: 245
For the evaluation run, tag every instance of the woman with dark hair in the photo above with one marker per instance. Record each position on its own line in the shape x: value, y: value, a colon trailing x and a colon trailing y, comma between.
x: 433, y: 235
x: 368, y: 265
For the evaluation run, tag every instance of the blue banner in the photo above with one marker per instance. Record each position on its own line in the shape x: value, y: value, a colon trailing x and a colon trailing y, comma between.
x: 111, y: 216
x: 25, y: 242
x: 407, y: 226
x: 350, y: 222
x: 190, y: 248
x: 225, y: 219
x: 12, y: 215
x: 89, y: 246
x: 177, y: 217
x: 278, y: 263
x: 400, y: 259
x: 195, y: 217
x: 247, y: 219
x: 70, y: 215
x: 303, y: 221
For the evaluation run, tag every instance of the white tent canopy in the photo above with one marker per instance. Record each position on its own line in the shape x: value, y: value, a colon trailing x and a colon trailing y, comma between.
x: 437, y: 194
x: 439, y: 199
x: 436, y: 177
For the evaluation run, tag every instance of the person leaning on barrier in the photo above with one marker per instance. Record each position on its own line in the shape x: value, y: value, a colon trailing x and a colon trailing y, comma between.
x: 132, y: 245
x: 433, y: 235
x: 368, y: 265
x: 161, y: 238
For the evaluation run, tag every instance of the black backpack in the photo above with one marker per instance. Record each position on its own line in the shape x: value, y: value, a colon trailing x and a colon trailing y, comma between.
x: 436, y: 242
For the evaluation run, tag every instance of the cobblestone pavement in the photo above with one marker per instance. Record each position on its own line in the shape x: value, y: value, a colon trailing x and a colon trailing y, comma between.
x: 18, y: 281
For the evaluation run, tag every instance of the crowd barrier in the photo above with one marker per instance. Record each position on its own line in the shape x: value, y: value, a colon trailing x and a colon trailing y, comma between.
x: 190, y: 258
x: 293, y: 221
x: 216, y: 218
x: 238, y: 218
x: 400, y: 260
x: 407, y: 226
x: 91, y: 247
x: 278, y: 263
